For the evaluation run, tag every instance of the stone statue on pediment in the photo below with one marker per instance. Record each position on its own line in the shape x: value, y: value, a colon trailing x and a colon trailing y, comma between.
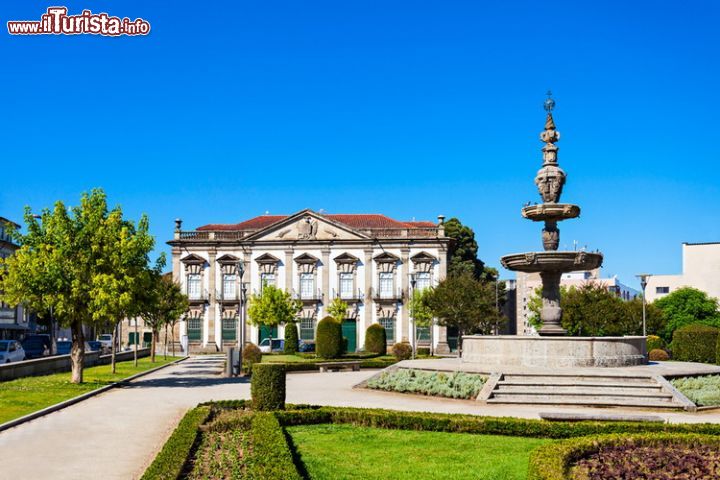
x: 307, y: 229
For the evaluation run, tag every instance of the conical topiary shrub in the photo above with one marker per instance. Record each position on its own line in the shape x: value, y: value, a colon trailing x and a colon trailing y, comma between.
x: 376, y: 339
x: 328, y: 339
x: 291, y: 339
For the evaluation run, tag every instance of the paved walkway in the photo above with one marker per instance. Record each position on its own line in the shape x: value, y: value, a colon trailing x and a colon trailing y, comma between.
x: 117, y: 434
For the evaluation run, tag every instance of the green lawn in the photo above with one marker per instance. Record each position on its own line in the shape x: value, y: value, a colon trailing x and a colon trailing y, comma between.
x: 26, y: 395
x: 348, y: 452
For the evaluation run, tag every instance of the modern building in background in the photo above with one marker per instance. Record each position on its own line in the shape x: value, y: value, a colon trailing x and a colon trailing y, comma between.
x: 526, y: 285
x: 369, y: 261
x: 14, y: 321
x: 700, y: 269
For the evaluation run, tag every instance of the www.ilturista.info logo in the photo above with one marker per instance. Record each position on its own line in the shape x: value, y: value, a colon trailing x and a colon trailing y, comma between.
x: 57, y: 22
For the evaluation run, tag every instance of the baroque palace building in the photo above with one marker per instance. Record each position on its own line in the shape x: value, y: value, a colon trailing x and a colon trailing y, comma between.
x: 369, y: 261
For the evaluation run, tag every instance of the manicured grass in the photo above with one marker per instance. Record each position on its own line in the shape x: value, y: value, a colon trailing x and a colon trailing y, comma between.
x: 26, y: 395
x: 331, y: 451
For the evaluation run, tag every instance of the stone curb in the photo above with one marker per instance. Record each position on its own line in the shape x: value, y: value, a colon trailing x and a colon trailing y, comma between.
x: 80, y: 398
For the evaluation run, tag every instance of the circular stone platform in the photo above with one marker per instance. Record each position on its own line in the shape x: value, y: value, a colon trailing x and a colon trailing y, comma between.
x: 554, y: 352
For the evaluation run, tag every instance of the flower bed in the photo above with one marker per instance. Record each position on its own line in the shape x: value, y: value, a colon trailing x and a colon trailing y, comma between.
x: 650, y: 456
x: 441, y: 384
x: 703, y: 391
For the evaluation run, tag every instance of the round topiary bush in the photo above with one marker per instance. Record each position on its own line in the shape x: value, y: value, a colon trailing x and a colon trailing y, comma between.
x: 251, y: 355
x: 376, y: 339
x: 695, y: 343
x: 267, y: 387
x: 291, y: 339
x: 654, y: 342
x: 402, y: 350
x: 658, y: 355
x: 329, y: 339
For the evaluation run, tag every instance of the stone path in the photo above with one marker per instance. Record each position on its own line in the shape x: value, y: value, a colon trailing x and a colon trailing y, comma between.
x: 117, y: 434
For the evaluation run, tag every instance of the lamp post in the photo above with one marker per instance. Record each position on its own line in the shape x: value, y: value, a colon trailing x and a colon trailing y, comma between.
x: 643, y: 283
x: 413, y: 282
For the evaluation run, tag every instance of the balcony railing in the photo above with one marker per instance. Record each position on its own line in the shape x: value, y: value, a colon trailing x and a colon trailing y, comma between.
x: 314, y: 296
x: 210, y: 235
x: 355, y: 296
x: 386, y: 296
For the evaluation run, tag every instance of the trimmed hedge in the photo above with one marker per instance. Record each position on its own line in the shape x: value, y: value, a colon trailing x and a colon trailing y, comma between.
x: 169, y: 464
x: 695, y: 343
x: 402, y: 350
x: 553, y: 461
x: 509, y: 426
x: 251, y: 355
x: 291, y: 339
x: 376, y: 339
x: 329, y: 339
x: 271, y: 458
x: 658, y: 355
x: 267, y: 386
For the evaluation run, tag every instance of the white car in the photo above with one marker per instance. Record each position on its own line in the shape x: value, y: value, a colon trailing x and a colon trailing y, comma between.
x: 11, y: 351
x: 105, y: 340
x: 278, y: 344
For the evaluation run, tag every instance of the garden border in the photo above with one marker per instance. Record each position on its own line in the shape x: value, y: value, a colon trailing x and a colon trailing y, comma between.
x: 72, y: 401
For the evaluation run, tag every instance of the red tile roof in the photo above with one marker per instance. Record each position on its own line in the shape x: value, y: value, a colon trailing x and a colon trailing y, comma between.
x: 355, y: 221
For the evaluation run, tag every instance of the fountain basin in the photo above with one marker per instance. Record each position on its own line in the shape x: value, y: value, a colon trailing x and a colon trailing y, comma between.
x: 551, y: 212
x: 552, y: 261
x: 554, y: 352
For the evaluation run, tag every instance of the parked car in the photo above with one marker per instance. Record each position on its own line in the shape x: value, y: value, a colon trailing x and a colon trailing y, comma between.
x: 306, y: 346
x: 63, y: 347
x: 93, y: 346
x: 36, y: 346
x: 11, y: 351
x: 278, y: 345
x: 106, y: 340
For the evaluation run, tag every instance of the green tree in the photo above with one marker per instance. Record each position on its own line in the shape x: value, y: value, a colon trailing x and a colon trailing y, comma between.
x: 465, y: 303
x: 338, y: 309
x: 163, y: 305
x: 118, y: 289
x: 463, y: 251
x: 686, y: 306
x: 63, y: 265
x: 273, y: 307
x: 421, y: 314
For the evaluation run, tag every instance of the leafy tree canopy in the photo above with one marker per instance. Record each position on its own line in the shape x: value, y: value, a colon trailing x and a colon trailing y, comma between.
x: 337, y: 309
x: 686, y: 306
x: 273, y: 306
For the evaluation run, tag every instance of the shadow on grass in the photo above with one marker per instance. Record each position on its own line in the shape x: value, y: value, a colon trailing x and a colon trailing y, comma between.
x: 297, y: 460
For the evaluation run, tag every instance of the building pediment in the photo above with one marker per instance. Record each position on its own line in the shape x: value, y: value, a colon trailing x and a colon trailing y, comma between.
x: 306, y: 226
x: 346, y: 258
x: 227, y: 258
x: 266, y: 258
x: 306, y: 258
x: 193, y: 259
x: 386, y: 257
x: 423, y: 257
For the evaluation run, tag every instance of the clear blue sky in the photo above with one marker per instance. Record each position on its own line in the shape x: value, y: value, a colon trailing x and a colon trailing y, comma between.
x: 411, y: 109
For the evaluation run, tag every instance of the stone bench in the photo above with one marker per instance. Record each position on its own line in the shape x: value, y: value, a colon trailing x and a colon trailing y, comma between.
x: 337, y: 366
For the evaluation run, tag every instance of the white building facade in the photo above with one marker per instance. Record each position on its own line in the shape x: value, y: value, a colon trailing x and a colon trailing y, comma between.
x: 369, y: 261
x: 701, y: 270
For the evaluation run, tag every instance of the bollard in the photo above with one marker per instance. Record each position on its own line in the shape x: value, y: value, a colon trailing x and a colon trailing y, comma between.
x: 229, y: 363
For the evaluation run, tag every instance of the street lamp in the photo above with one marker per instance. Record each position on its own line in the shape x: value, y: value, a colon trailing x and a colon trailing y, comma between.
x: 643, y: 283
x: 413, y: 282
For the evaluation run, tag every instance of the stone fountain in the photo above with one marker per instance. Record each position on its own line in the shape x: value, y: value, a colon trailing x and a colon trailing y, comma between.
x: 551, y: 263
x: 552, y: 349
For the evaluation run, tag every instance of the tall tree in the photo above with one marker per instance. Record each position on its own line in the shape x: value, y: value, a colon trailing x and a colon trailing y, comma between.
x: 119, y: 288
x: 273, y: 307
x: 60, y: 267
x: 164, y: 305
x: 463, y: 251
x: 421, y: 313
x: 466, y: 303
x: 685, y: 306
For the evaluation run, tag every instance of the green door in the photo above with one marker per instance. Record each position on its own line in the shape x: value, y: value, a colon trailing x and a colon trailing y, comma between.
x: 146, y: 339
x: 452, y: 338
x: 349, y: 331
x: 267, y: 332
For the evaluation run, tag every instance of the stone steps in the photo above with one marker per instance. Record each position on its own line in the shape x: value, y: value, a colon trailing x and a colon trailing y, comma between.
x: 582, y: 390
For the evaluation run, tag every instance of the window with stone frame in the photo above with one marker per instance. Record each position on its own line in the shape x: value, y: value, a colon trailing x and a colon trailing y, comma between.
x: 229, y: 286
x: 307, y: 286
x: 386, y: 284
x: 267, y: 279
x: 307, y: 328
x: 423, y: 280
x: 194, y: 286
x: 389, y: 324
x: 346, y: 285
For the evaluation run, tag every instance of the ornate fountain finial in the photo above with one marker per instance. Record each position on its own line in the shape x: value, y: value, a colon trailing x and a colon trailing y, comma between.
x: 549, y: 102
x: 551, y: 178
